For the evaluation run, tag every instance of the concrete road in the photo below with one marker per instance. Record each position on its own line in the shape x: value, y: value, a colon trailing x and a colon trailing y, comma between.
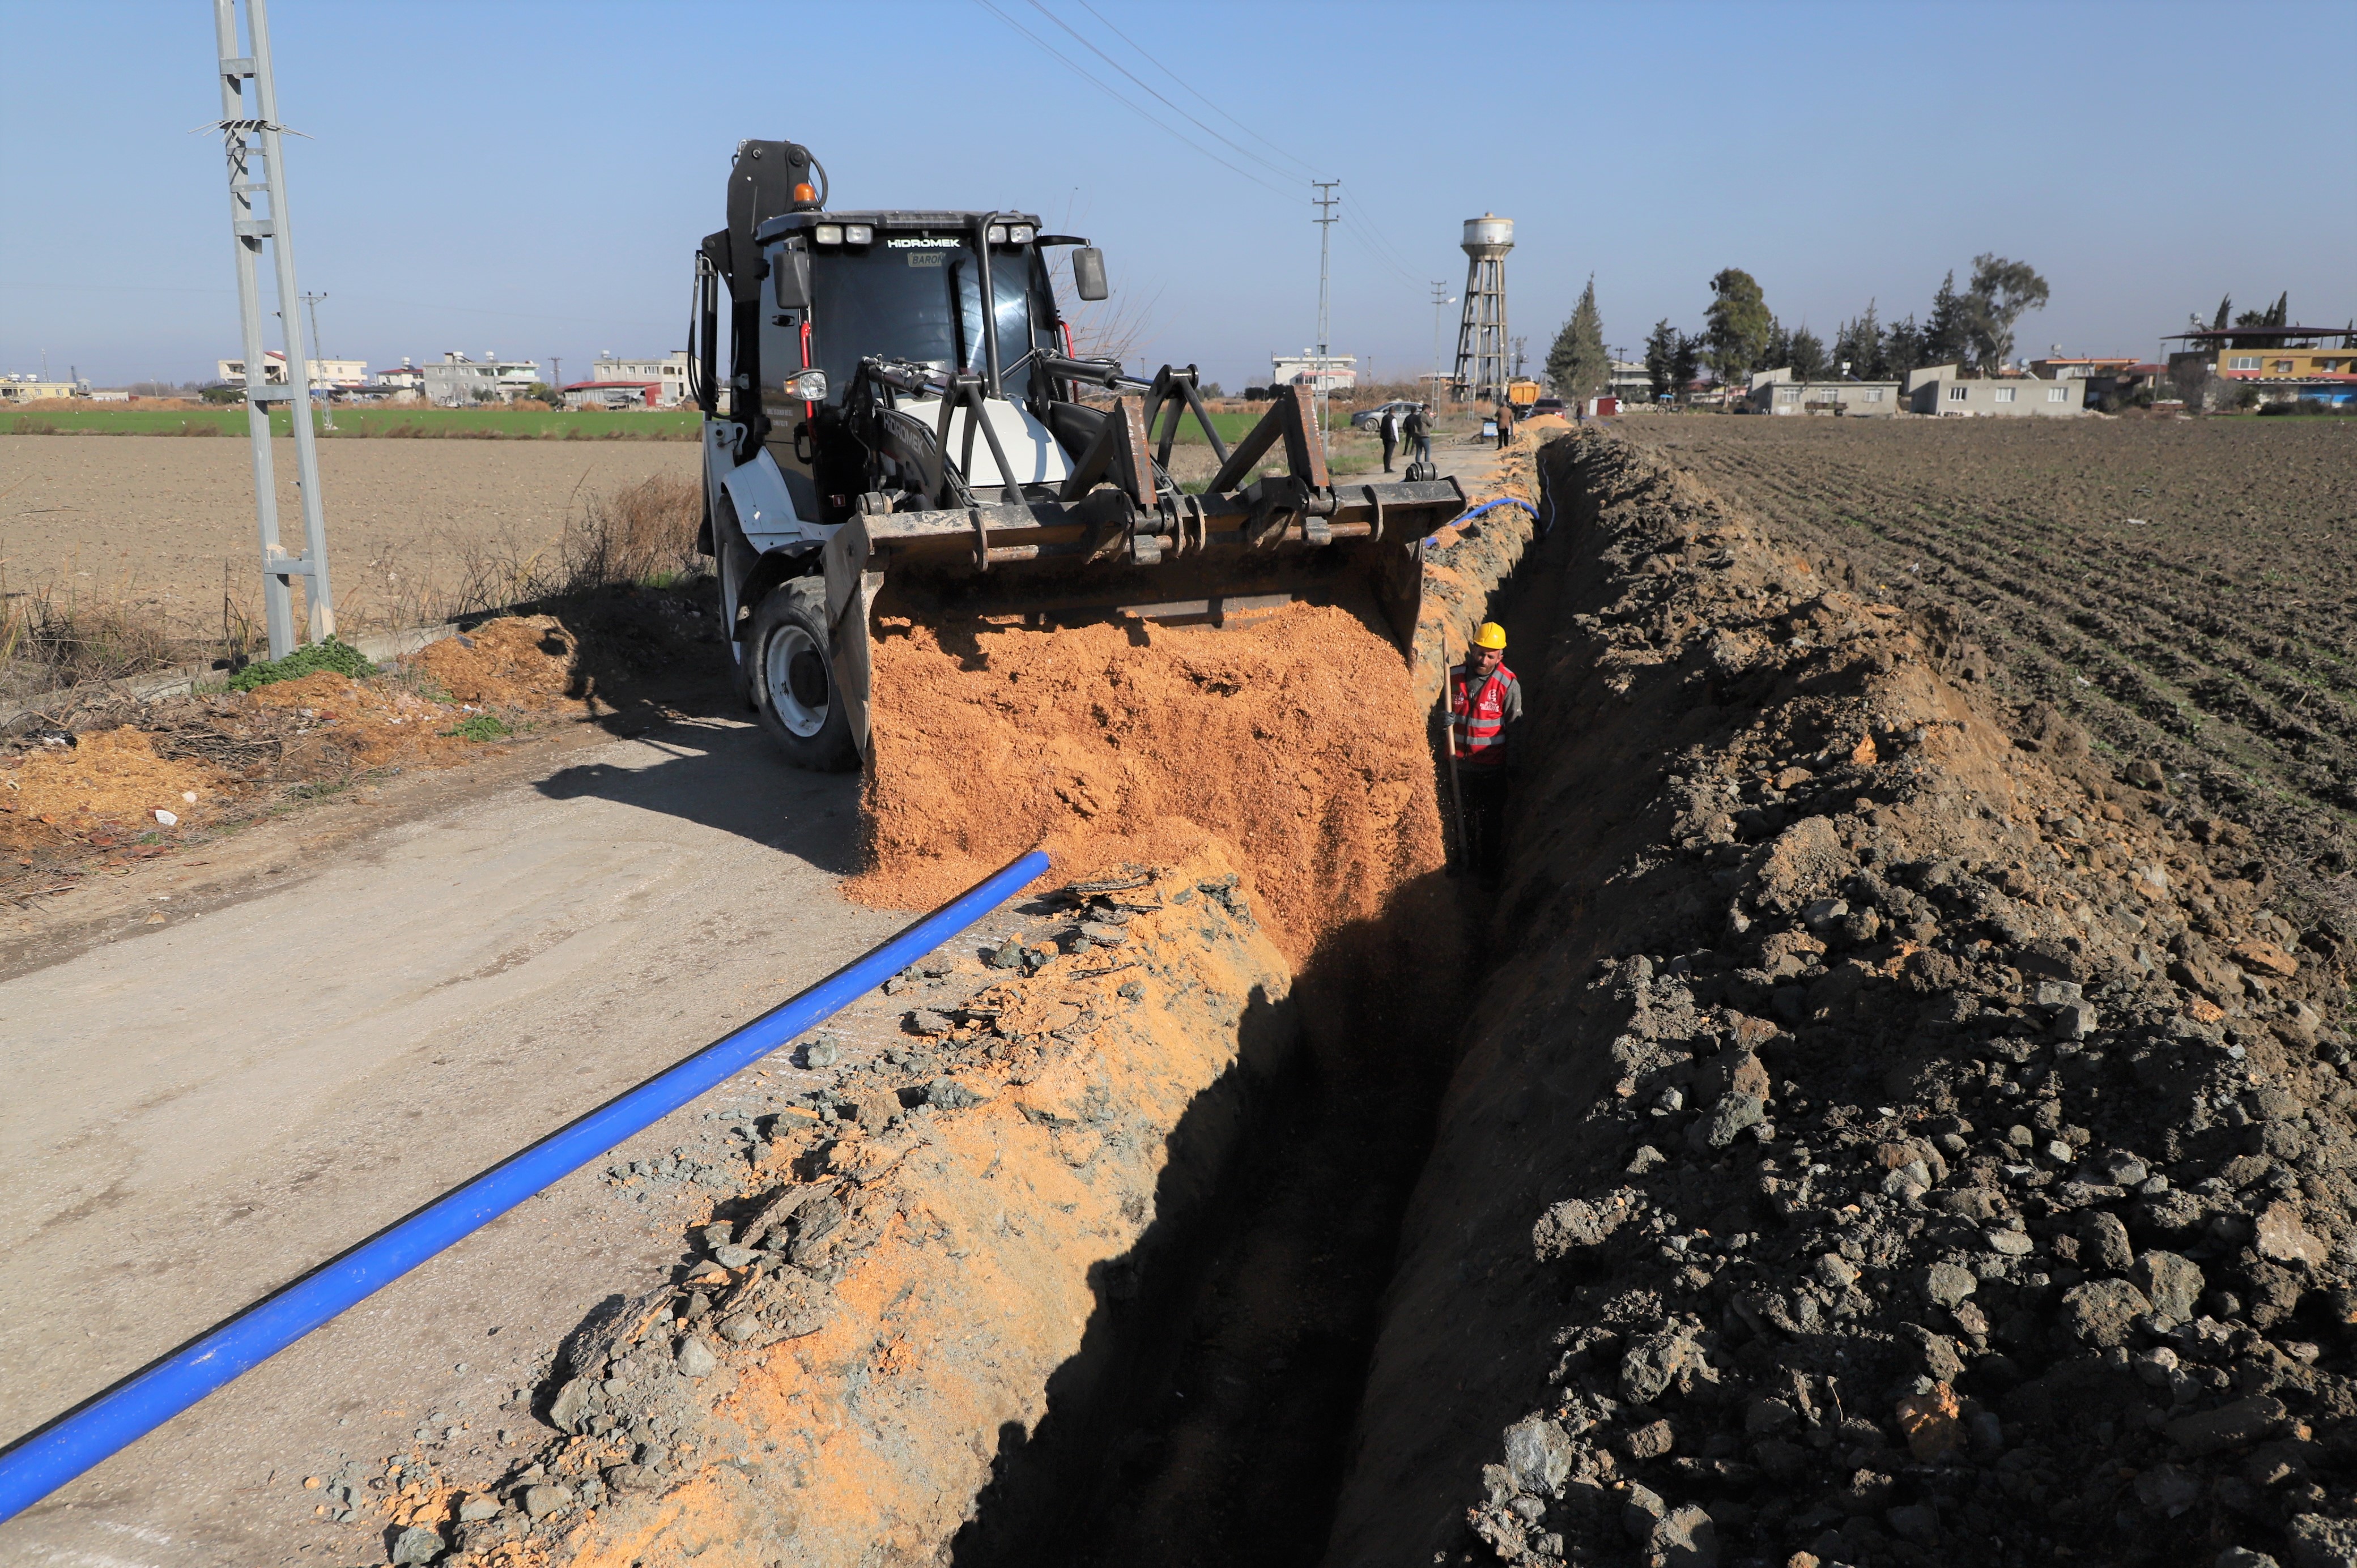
x: 333, y: 1024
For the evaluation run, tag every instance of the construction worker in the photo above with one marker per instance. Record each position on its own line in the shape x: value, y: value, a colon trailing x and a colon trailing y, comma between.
x: 1418, y: 432
x: 1390, y: 430
x: 1505, y: 421
x: 1485, y: 703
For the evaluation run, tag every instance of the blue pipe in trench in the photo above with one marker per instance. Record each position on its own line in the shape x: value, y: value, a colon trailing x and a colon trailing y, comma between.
x: 47, y: 1458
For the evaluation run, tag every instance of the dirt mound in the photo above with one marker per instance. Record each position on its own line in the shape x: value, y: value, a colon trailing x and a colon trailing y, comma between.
x: 107, y: 785
x: 524, y: 660
x: 1887, y: 1145
x: 93, y: 773
x: 1295, y: 739
x: 907, y: 1263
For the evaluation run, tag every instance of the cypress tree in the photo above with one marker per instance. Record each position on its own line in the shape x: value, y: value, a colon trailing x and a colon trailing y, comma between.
x: 1578, y: 363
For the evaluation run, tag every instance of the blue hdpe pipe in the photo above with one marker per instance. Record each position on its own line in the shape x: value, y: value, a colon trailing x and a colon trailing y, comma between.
x: 45, y: 1459
x: 1492, y: 506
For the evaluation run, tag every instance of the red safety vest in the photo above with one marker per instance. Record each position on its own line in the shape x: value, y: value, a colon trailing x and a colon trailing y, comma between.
x: 1480, y: 718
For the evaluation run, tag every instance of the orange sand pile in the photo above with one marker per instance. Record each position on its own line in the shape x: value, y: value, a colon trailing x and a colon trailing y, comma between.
x: 1295, y: 740
x: 112, y: 780
x: 526, y: 660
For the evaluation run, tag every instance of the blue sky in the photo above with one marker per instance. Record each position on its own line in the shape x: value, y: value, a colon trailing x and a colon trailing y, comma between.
x: 533, y: 177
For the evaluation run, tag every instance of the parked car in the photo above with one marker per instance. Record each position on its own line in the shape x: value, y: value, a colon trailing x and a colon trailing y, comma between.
x: 1547, y: 406
x: 1369, y: 418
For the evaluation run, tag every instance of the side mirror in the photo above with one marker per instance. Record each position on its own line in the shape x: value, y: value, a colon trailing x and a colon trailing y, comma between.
x: 1088, y: 272
x: 791, y: 273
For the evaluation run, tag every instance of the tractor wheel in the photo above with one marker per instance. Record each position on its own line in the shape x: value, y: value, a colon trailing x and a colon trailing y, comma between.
x: 791, y: 679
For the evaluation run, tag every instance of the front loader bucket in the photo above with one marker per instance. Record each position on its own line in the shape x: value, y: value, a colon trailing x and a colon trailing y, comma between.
x: 1117, y: 540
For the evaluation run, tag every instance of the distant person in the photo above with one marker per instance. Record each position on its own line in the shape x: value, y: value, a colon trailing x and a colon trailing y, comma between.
x: 1485, y: 705
x: 1505, y: 422
x: 1389, y: 428
x: 1418, y: 432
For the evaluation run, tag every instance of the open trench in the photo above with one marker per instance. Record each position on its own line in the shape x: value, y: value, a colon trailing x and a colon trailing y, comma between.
x: 1734, y: 1177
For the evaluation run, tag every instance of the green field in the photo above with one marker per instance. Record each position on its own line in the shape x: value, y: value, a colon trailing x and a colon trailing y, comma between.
x: 460, y: 424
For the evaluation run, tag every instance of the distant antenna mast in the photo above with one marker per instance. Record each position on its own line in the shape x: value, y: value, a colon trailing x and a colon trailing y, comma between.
x: 245, y: 136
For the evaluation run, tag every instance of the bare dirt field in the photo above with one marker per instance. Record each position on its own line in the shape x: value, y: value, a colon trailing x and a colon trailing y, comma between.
x: 157, y: 521
x: 2181, y: 588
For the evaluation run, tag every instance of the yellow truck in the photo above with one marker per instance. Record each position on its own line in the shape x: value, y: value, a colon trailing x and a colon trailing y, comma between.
x: 1521, y: 394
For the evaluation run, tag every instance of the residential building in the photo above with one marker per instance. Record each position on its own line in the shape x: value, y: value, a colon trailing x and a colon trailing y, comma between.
x: 326, y: 375
x: 1629, y: 383
x: 669, y: 373
x: 32, y: 389
x: 2080, y: 370
x: 404, y: 377
x: 458, y: 381
x: 614, y: 395
x: 2277, y: 364
x: 1775, y: 392
x: 1328, y: 373
x: 1953, y: 393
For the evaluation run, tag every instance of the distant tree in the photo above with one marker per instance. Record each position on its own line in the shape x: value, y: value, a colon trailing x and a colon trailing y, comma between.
x: 1946, y: 339
x: 2191, y: 374
x: 2001, y: 292
x: 2225, y: 304
x: 1778, y: 350
x: 1685, y: 363
x: 2276, y: 315
x: 1904, y: 348
x: 1808, y: 361
x: 1660, y: 361
x: 1210, y: 388
x: 1736, y: 326
x: 220, y: 392
x: 1578, y: 363
x: 1858, y: 344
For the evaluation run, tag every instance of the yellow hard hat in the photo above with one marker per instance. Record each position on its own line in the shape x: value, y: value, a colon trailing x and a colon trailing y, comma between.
x: 1489, y: 634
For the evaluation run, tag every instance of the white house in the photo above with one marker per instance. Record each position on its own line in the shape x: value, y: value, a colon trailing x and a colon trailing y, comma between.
x: 458, y: 381
x: 325, y: 374
x: 670, y: 374
x: 1319, y: 372
x: 1955, y: 393
x: 1775, y: 392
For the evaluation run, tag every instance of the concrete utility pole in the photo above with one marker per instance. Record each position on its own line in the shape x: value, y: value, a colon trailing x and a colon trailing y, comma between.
x: 327, y: 403
x: 1325, y: 202
x: 1441, y: 300
x: 279, y: 569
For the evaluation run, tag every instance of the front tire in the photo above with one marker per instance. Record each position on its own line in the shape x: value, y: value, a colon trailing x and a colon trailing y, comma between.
x: 790, y: 673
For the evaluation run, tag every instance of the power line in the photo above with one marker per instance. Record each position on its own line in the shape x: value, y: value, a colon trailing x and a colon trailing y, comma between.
x: 1371, y: 238
x: 1187, y: 87
x: 1134, y: 108
x: 1091, y: 47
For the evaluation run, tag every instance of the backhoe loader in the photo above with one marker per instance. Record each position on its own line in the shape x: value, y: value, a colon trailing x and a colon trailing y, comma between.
x: 904, y: 430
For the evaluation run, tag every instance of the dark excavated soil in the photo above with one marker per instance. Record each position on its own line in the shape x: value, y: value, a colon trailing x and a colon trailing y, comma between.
x: 1890, y: 1137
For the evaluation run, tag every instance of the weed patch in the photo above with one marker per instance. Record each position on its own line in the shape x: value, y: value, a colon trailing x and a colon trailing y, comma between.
x: 335, y: 657
x: 482, y: 726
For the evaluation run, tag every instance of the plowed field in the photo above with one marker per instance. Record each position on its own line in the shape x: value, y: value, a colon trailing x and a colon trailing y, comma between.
x: 2185, y: 590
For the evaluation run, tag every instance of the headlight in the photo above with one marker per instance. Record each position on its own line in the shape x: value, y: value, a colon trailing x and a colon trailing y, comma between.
x: 858, y: 233
x: 998, y: 233
x: 806, y: 386
x: 828, y: 233
x: 1021, y: 234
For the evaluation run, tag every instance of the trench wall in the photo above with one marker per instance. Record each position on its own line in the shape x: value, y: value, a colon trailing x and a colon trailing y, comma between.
x: 1863, y: 1146
x: 908, y: 1336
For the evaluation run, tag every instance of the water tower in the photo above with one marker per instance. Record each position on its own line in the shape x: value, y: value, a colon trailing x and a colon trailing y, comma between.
x: 1481, y: 345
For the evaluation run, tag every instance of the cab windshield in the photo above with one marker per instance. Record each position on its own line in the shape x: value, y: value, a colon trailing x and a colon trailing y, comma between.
x: 919, y: 297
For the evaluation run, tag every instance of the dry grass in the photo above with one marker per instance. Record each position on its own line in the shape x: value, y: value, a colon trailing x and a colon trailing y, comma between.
x: 49, y: 641
x: 643, y: 533
x: 51, y: 638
